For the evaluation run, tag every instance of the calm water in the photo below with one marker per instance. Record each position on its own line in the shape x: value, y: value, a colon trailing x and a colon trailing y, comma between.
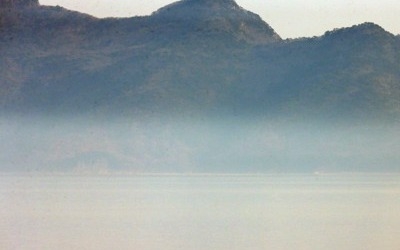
x: 292, y: 212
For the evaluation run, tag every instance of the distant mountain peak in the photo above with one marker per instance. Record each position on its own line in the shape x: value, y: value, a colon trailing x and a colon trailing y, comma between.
x: 18, y: 3
x: 369, y: 27
x: 199, y: 6
x: 226, y: 4
x: 218, y: 15
x: 365, y: 29
x: 214, y: 2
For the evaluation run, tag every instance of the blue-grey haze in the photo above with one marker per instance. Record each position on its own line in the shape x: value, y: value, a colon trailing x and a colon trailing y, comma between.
x: 199, y: 86
x: 200, y: 146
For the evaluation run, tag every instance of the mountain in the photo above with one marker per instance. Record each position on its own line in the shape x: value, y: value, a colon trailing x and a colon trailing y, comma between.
x: 18, y: 3
x: 197, y: 57
x: 198, y: 86
x: 348, y: 72
x: 218, y: 18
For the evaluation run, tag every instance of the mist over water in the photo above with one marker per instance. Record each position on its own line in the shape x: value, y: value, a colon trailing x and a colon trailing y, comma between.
x: 200, y: 184
x: 220, y: 145
x: 202, y: 212
x: 211, y: 133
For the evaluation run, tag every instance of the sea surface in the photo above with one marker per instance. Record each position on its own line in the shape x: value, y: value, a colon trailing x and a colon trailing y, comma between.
x: 200, y: 212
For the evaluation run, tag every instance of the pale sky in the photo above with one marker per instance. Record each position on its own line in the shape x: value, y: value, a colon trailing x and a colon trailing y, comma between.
x: 290, y: 18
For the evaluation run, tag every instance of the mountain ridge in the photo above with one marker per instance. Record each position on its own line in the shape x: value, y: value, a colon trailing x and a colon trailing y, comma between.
x: 80, y: 94
x: 225, y: 60
x: 216, y: 16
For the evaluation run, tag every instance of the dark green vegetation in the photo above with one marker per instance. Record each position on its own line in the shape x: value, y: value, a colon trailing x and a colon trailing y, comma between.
x: 192, y: 57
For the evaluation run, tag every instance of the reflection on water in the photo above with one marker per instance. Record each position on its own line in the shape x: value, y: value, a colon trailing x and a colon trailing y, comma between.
x: 208, y: 212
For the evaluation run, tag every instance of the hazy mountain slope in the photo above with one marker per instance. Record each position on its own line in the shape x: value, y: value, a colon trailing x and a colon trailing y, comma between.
x: 195, y: 57
x: 198, y: 86
x: 349, y: 72
x: 215, y: 18
x: 18, y: 3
